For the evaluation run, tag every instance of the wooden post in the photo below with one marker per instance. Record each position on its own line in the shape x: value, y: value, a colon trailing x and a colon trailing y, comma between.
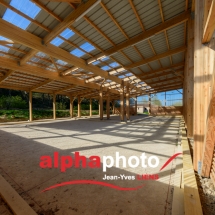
x: 150, y: 104
x: 127, y: 102
x: 90, y: 107
x: 54, y: 106
x: 71, y: 106
x: 113, y: 102
x: 122, y: 112
x: 79, y: 106
x: 30, y: 107
x: 136, y: 105
x: 203, y: 68
x: 189, y: 81
x: 108, y: 105
x: 101, y: 104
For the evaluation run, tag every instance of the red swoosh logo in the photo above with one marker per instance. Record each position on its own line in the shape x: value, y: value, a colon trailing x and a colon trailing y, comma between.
x: 170, y: 159
x: 92, y: 182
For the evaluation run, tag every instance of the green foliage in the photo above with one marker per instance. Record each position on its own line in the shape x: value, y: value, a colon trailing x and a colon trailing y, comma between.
x: 60, y: 106
x: 7, y: 102
x: 156, y: 101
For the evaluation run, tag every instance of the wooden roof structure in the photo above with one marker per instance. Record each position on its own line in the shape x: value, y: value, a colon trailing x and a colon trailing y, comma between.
x: 140, y: 43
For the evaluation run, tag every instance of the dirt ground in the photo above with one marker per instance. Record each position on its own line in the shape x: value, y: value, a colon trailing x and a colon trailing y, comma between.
x: 22, y: 145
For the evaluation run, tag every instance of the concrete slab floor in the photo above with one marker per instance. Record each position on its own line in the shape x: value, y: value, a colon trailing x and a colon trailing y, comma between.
x: 22, y: 145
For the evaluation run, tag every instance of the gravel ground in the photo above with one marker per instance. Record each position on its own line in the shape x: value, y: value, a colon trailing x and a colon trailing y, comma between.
x: 207, y: 194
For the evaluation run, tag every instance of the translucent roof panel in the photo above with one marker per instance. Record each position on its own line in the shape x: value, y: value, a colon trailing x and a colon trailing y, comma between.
x: 57, y: 41
x: 114, y: 64
x: 105, y: 67
x: 87, y: 47
x: 16, y: 19
x: 104, y: 59
x: 24, y: 6
x: 27, y: 7
x: 67, y: 34
x: 4, y: 49
x: 77, y: 52
x: 96, y: 62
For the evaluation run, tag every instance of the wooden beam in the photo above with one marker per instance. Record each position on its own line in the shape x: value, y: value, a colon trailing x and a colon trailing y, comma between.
x: 42, y: 6
x: 65, y: 88
x: 163, y: 74
x: 210, y: 24
x: 69, y: 20
x: 33, y: 70
x: 32, y: 41
x: 5, y: 42
x: 114, y: 20
x: 192, y: 203
x: 145, y: 35
x: 146, y: 74
x: 6, y: 75
x: 145, y: 61
x: 41, y: 84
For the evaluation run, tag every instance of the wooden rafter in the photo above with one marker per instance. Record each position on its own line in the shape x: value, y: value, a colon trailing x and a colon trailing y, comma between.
x: 6, y: 75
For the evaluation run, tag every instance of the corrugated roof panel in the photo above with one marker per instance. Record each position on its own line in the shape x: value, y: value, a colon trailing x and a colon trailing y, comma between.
x: 149, y: 13
x: 124, y: 15
x: 159, y: 43
x: 88, y: 31
x: 136, y: 71
x: 154, y: 65
x: 145, y: 68
x: 122, y: 60
x: 176, y: 36
x: 177, y: 58
x: 165, y: 61
x: 145, y: 49
x: 172, y: 8
x: 106, y: 25
x: 132, y: 54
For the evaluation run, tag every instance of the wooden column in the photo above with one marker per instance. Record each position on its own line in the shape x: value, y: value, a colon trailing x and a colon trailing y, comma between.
x: 79, y: 106
x: 203, y: 68
x: 189, y: 80
x: 54, y: 106
x: 71, y: 106
x: 150, y: 104
x: 30, y: 107
x: 127, y: 102
x: 90, y: 107
x: 113, y: 102
x: 135, y: 105
x: 101, y: 104
x: 108, y: 105
x: 122, y: 112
